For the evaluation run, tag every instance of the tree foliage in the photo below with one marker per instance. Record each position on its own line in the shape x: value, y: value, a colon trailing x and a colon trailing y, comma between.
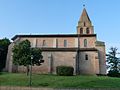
x: 113, y: 62
x: 22, y: 53
x: 37, y: 56
x: 4, y: 43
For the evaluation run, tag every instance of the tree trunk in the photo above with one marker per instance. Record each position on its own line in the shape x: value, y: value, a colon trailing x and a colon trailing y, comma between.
x: 28, y: 70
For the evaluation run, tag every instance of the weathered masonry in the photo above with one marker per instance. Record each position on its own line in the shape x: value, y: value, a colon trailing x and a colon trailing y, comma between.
x: 64, y: 49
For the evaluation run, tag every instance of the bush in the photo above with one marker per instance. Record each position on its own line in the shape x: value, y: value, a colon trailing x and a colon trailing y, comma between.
x: 64, y: 70
x: 113, y: 73
x: 101, y: 74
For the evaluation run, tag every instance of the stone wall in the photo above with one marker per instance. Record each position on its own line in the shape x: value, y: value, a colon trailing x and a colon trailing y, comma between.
x: 68, y: 58
x: 90, y: 66
x: 9, y: 63
x: 102, y: 56
x: 52, y: 60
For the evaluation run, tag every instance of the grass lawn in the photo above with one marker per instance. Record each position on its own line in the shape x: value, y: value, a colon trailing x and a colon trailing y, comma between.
x: 53, y: 81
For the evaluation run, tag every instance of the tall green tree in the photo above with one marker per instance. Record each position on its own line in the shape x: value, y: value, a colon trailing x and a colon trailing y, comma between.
x: 113, y: 62
x: 4, y: 43
x: 22, y: 53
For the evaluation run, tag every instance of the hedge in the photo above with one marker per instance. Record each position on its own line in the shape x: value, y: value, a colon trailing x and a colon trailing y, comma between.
x: 64, y: 70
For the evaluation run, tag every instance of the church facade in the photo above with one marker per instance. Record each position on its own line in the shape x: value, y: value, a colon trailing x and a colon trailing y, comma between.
x: 82, y: 50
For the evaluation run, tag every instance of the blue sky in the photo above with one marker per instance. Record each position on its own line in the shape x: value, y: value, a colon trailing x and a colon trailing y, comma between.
x: 60, y: 16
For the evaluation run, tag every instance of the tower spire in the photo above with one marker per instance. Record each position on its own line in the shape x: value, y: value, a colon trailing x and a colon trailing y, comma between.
x: 84, y: 23
x: 84, y: 17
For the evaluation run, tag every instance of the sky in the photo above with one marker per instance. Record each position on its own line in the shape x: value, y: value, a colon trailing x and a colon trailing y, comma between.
x: 60, y: 17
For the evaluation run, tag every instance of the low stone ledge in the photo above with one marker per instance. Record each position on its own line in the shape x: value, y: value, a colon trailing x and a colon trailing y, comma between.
x: 22, y: 88
x: 40, y: 88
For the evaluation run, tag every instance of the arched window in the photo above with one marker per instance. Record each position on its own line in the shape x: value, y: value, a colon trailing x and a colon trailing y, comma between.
x: 44, y: 43
x: 84, y: 24
x: 86, y: 57
x: 87, y: 31
x: 81, y: 30
x: 85, y: 42
x: 65, y: 43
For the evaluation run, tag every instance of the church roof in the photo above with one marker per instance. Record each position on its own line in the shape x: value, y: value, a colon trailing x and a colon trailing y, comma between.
x: 100, y: 43
x: 54, y: 35
x: 84, y: 17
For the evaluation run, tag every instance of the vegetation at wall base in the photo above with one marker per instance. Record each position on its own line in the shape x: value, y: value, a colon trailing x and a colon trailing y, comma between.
x: 113, y: 73
x: 64, y: 70
x: 54, y: 81
x: 113, y: 62
x: 4, y: 43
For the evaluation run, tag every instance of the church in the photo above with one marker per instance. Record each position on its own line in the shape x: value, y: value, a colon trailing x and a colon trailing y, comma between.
x: 82, y: 50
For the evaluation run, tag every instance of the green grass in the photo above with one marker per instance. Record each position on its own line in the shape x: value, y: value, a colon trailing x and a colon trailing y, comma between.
x: 53, y: 81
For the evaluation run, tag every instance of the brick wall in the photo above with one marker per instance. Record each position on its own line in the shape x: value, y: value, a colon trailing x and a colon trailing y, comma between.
x: 71, y: 42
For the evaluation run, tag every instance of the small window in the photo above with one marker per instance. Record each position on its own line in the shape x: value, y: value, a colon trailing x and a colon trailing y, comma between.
x: 81, y: 30
x: 44, y: 43
x: 86, y: 57
x: 87, y: 31
x: 65, y: 43
x: 85, y: 42
x: 84, y: 24
x: 56, y: 43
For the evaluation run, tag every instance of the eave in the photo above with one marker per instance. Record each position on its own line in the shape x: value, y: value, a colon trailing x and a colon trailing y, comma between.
x: 53, y: 35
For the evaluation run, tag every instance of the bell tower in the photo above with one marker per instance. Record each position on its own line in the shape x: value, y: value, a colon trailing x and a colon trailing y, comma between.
x: 85, y: 24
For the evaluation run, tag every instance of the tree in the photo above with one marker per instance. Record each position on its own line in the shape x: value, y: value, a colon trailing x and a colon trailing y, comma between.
x: 4, y: 43
x: 113, y: 62
x: 22, y: 53
x: 37, y: 56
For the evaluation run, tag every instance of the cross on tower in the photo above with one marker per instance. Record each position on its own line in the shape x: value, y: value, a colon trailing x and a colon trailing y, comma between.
x: 83, y: 5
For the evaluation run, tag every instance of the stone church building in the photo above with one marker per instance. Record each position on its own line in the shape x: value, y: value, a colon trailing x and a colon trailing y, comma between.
x: 82, y: 50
